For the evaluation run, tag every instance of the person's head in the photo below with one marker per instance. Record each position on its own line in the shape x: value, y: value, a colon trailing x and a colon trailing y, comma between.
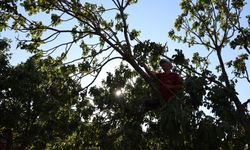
x: 166, y: 65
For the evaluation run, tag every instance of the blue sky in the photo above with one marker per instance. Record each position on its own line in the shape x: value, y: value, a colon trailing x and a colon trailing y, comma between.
x: 154, y: 19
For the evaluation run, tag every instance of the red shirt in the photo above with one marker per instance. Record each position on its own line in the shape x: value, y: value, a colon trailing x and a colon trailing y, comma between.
x: 171, y: 79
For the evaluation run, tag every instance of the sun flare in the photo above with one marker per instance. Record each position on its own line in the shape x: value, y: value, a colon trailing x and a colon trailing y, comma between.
x: 119, y: 92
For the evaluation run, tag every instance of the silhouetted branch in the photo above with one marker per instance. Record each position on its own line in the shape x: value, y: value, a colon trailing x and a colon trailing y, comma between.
x: 99, y: 70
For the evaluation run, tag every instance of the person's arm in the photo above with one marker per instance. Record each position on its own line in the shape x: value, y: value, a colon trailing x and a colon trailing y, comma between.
x: 150, y: 73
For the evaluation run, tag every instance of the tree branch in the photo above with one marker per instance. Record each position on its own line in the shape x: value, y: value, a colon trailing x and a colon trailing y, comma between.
x: 99, y: 70
x: 246, y: 103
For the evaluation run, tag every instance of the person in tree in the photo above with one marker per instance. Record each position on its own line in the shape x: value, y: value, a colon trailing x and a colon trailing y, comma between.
x: 169, y: 82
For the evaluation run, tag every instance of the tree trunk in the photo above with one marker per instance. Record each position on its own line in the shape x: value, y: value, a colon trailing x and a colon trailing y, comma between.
x: 240, y: 109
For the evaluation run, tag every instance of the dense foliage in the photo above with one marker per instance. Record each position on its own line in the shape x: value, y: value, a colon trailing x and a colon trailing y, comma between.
x: 44, y: 103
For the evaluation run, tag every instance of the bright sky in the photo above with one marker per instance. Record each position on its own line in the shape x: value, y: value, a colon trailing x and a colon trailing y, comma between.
x: 154, y: 19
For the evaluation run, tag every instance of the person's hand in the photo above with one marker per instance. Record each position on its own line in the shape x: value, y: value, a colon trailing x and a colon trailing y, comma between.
x: 142, y: 64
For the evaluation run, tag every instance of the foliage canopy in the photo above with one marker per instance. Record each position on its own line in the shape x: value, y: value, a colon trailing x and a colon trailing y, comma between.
x: 45, y: 105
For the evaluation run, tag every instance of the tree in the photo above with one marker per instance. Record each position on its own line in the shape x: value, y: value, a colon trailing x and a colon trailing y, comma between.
x: 40, y: 105
x: 109, y: 37
x: 177, y: 125
x: 214, y: 24
x: 115, y: 124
